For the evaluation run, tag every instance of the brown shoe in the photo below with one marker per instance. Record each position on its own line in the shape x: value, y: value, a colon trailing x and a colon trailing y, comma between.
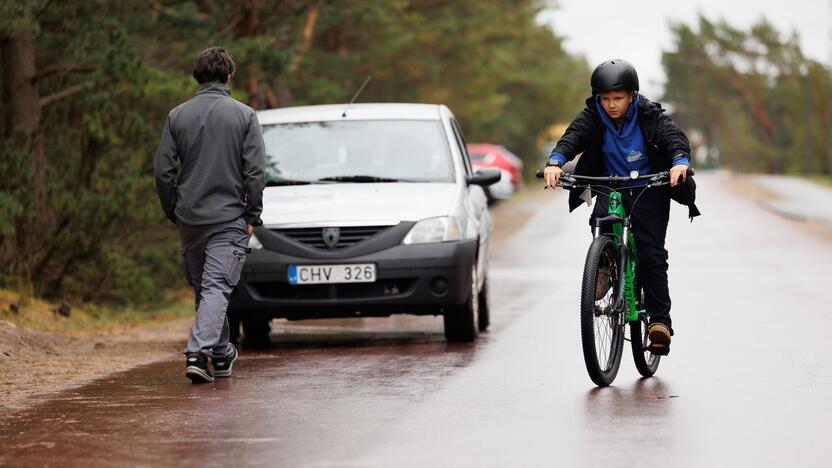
x: 659, y: 335
x: 602, y: 282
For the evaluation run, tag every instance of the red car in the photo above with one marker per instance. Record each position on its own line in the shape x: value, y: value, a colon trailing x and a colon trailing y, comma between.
x: 490, y: 155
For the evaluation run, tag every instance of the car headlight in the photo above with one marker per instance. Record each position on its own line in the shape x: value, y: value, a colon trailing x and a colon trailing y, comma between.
x: 441, y: 229
x: 254, y: 243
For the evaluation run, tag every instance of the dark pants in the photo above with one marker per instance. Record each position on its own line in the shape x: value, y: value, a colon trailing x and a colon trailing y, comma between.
x: 649, y: 220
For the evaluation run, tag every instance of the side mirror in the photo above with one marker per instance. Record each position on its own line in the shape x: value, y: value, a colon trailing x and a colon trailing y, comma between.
x: 484, y: 176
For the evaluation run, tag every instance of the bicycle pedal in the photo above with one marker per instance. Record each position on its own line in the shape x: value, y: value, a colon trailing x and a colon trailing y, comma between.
x: 659, y: 350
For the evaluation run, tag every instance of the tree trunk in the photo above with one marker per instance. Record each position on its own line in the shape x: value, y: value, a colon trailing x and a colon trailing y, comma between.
x: 248, y: 26
x: 22, y: 100
x: 253, y: 86
x: 307, y: 34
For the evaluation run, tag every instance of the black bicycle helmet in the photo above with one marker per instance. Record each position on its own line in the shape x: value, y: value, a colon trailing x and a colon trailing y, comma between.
x: 614, y: 75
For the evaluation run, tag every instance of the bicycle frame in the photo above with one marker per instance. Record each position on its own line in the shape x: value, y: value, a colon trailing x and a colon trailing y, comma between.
x: 628, y: 259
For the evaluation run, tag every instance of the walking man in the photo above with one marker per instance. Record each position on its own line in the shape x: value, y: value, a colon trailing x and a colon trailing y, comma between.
x: 209, y: 169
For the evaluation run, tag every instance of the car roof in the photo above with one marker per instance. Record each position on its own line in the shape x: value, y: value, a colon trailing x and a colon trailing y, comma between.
x: 335, y: 112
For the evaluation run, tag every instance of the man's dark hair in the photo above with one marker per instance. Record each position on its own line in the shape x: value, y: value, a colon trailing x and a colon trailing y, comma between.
x: 214, y: 64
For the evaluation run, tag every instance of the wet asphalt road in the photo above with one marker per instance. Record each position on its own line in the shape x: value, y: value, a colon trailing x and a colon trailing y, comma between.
x: 748, y: 382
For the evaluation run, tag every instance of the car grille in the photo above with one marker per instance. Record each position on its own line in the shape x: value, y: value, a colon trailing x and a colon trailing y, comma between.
x: 347, y: 236
x: 382, y: 288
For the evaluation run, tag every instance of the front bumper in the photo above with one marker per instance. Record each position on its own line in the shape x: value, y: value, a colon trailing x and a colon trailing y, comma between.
x: 421, y: 279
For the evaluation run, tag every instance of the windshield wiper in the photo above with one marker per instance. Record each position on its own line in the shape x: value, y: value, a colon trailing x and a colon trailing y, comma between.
x: 280, y: 182
x: 360, y: 179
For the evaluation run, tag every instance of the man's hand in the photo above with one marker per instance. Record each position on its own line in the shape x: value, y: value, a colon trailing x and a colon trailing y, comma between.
x: 677, y: 172
x: 552, y: 175
x: 250, y: 229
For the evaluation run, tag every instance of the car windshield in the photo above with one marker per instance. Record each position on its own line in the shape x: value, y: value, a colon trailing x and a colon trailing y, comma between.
x: 477, y: 156
x: 357, y: 151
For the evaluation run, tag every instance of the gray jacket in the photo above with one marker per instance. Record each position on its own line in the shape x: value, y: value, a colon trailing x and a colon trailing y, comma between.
x: 210, y: 165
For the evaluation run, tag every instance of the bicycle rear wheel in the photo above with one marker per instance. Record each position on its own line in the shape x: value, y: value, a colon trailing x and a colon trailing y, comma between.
x: 602, y: 327
x: 647, y: 363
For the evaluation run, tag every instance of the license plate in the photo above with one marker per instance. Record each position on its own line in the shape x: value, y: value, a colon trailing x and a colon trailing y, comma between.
x: 322, y: 274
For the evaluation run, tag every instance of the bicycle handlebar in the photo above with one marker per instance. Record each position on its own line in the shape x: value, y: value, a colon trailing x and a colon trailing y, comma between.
x: 614, y: 180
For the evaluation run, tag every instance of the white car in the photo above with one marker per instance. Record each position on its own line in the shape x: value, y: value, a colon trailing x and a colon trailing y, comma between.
x: 369, y: 210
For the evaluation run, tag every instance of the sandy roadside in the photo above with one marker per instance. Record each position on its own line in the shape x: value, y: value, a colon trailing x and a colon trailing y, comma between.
x: 746, y: 187
x: 35, y: 364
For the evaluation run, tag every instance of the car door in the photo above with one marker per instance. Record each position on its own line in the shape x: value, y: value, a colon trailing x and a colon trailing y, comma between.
x: 476, y: 204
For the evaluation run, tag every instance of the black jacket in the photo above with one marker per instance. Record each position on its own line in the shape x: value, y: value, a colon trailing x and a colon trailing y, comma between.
x: 210, y: 165
x: 662, y: 137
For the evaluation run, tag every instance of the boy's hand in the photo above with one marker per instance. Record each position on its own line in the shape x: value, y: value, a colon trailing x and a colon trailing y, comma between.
x: 552, y: 175
x: 676, y: 172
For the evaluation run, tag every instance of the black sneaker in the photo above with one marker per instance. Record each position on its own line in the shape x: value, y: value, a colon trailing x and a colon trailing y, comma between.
x: 222, y: 366
x: 196, y: 368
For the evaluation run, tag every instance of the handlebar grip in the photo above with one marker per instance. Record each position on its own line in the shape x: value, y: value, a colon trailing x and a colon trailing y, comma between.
x: 690, y: 171
x: 539, y: 174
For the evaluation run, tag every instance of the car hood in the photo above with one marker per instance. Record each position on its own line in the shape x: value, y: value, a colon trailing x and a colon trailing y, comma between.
x: 355, y: 204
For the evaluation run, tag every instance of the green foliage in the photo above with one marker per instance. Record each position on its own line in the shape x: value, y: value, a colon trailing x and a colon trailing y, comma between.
x: 110, y: 71
x: 17, y: 14
x: 758, y: 102
x: 95, y: 233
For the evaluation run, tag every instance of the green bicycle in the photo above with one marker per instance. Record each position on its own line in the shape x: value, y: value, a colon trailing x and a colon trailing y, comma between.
x: 611, y: 295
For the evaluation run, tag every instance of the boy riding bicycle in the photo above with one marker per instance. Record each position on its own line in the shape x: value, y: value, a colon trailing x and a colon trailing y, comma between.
x: 619, y: 132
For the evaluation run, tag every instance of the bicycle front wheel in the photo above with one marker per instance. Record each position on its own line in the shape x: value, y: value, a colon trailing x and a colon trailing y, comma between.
x: 602, y: 326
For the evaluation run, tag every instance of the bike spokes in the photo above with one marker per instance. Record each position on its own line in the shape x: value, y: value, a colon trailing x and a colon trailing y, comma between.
x: 606, y: 322
x: 601, y: 314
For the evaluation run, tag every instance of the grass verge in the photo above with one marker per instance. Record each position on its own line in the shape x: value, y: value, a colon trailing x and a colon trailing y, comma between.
x: 38, y: 314
x: 822, y: 180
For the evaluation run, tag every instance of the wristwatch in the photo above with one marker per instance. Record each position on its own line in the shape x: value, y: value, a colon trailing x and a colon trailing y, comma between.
x: 551, y: 162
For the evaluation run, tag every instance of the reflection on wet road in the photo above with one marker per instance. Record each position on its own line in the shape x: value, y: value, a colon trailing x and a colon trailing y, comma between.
x: 747, y: 383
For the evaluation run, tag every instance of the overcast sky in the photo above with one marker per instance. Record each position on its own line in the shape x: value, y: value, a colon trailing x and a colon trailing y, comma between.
x: 637, y: 30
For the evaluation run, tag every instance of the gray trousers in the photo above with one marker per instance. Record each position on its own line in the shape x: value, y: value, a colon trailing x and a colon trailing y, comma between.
x: 212, y: 259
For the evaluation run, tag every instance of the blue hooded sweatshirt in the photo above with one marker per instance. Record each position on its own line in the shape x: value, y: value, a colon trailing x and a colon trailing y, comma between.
x: 624, y: 149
